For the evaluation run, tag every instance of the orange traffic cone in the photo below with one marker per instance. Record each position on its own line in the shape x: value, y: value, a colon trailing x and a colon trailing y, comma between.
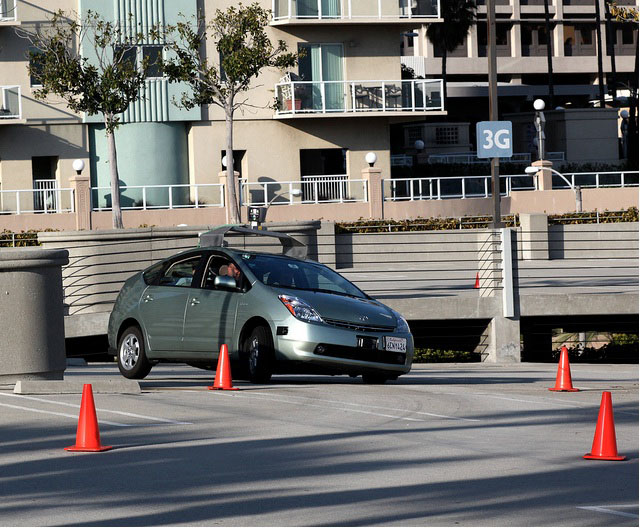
x: 477, y: 285
x: 223, y: 372
x: 563, y: 377
x: 87, y: 435
x: 604, y: 441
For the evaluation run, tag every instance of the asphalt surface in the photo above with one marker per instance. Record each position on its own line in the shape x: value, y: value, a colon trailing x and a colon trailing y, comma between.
x: 445, y: 445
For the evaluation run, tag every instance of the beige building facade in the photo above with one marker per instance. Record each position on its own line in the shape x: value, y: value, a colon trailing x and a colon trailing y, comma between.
x: 318, y: 120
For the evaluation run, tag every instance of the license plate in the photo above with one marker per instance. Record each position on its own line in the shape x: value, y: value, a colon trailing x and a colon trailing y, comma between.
x: 395, y: 344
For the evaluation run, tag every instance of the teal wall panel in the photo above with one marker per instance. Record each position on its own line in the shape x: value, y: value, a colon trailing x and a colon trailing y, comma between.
x: 148, y: 154
x: 156, y: 102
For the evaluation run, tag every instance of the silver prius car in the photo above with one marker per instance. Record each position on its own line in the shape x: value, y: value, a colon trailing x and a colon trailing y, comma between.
x: 276, y: 314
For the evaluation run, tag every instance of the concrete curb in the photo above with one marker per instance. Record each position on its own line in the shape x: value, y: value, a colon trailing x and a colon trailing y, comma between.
x: 117, y: 386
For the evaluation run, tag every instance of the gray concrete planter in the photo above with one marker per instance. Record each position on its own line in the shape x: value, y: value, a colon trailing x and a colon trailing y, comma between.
x: 31, y: 311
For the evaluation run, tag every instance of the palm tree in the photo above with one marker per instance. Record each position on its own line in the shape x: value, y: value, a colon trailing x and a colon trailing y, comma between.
x: 458, y: 17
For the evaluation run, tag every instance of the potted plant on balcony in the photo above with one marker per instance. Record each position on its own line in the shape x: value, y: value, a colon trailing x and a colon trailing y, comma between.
x: 299, y: 91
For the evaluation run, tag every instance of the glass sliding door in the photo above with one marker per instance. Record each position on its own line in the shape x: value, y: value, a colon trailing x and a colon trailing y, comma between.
x: 323, y: 64
x: 318, y: 8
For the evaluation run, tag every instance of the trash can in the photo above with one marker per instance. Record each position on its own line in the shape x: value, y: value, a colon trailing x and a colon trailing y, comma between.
x: 32, y: 314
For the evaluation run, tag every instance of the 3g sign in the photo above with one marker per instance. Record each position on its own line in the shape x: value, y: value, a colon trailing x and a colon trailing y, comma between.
x: 494, y: 139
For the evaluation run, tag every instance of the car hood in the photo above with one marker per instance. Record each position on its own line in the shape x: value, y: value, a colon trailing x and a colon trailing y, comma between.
x: 344, y: 308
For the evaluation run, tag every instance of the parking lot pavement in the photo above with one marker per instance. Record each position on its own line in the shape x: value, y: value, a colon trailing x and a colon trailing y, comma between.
x: 445, y: 445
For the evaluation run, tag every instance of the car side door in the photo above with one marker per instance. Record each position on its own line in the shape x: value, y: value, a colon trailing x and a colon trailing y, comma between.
x: 211, y: 313
x: 163, y: 303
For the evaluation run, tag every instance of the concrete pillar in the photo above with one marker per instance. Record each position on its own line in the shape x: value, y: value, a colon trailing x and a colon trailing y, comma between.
x: 32, y: 314
x: 373, y: 175
x: 534, y: 232
x: 543, y: 177
x: 81, y: 186
x: 327, y: 244
x: 503, y: 341
x: 223, y: 180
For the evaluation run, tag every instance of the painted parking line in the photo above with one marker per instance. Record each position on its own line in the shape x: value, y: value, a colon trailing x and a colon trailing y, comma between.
x: 611, y: 511
x: 423, y: 413
x: 76, y: 406
x: 74, y: 416
x: 306, y: 403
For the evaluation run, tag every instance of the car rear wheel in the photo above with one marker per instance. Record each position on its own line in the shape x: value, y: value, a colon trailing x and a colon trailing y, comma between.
x: 132, y: 359
x: 259, y: 354
x: 374, y: 379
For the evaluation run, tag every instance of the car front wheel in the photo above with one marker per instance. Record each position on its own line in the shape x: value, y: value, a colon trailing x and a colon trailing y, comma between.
x: 259, y: 353
x: 132, y: 359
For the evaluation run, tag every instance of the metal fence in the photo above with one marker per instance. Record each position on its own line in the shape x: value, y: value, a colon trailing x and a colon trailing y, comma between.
x: 46, y: 198
x: 315, y: 190
x: 461, y: 187
x: 144, y: 197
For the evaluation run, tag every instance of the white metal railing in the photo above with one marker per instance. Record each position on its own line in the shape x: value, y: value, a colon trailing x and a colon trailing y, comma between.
x: 45, y: 195
x: 354, y: 9
x: 10, y: 102
x: 8, y: 11
x: 144, y: 197
x: 326, y: 97
x: 315, y: 190
x: 471, y: 158
x: 39, y: 200
x: 461, y: 187
x: 597, y: 180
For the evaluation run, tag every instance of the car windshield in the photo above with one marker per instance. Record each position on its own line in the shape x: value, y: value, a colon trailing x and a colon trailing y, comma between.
x: 287, y: 273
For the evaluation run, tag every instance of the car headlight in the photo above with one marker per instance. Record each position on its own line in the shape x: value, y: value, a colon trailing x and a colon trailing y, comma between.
x: 300, y: 309
x: 402, y: 326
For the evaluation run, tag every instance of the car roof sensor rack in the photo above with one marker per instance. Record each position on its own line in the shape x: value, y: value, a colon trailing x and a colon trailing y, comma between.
x: 290, y: 246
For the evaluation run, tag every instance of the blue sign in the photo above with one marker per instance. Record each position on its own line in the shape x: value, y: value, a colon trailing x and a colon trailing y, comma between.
x: 494, y: 139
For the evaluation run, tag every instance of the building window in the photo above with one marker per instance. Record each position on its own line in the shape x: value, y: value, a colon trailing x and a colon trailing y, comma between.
x: 460, y: 51
x: 579, y: 39
x: 238, y: 157
x: 625, y: 36
x: 414, y: 134
x: 534, y: 40
x: 447, y: 135
x: 136, y: 55
x: 503, y: 39
x: 35, y: 67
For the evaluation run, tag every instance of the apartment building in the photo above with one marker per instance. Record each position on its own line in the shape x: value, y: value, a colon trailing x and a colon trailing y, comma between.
x: 522, y: 42
x: 320, y: 119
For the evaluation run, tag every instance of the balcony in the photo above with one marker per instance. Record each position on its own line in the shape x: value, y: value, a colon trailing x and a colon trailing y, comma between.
x: 8, y: 13
x: 362, y: 98
x: 353, y: 11
x: 10, y: 104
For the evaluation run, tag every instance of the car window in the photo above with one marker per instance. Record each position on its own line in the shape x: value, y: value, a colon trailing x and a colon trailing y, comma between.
x: 180, y: 273
x: 303, y: 275
x: 153, y: 274
x: 218, y: 265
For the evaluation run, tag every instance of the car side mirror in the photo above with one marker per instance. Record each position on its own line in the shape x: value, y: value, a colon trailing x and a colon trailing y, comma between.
x: 224, y: 282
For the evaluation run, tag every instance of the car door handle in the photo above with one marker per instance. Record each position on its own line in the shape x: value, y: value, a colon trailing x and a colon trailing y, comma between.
x: 147, y: 298
x: 194, y: 301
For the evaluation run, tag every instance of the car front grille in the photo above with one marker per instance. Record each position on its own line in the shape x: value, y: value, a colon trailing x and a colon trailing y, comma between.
x: 358, y: 327
x: 360, y: 354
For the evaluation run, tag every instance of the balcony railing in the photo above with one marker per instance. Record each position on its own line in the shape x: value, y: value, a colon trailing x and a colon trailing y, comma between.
x: 287, y: 10
x: 42, y: 199
x: 411, y: 189
x: 8, y: 11
x: 10, y: 102
x: 329, y: 97
x: 144, y: 197
x: 315, y: 190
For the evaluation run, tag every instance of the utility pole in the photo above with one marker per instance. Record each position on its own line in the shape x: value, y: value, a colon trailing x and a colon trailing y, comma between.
x: 599, y: 47
x: 493, y: 108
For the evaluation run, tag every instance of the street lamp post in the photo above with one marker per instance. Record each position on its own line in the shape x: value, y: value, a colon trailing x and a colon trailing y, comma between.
x: 575, y: 188
x: 540, y: 121
x: 257, y: 215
